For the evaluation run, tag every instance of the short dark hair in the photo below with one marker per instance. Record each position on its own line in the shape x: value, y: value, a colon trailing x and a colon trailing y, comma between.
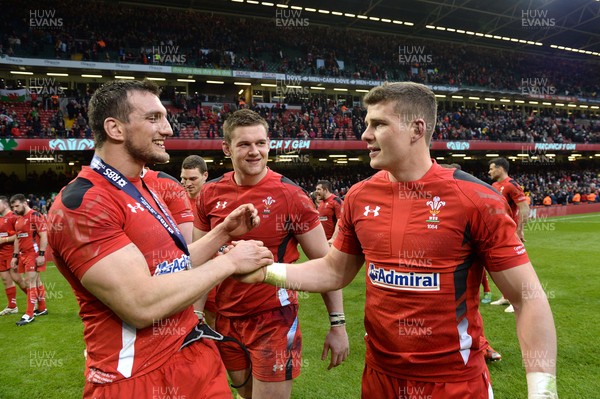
x: 242, y: 117
x: 18, y: 197
x: 326, y: 184
x: 194, y: 162
x: 110, y: 100
x: 502, y: 162
x: 4, y: 199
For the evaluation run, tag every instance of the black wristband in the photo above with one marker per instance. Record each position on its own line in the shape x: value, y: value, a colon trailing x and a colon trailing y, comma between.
x: 15, y: 256
x: 41, y: 253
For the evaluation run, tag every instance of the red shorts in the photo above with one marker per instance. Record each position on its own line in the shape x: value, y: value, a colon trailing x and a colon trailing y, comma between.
x: 27, y: 264
x: 195, y: 372
x: 379, y: 385
x: 211, y: 304
x: 273, y: 339
x: 5, y: 264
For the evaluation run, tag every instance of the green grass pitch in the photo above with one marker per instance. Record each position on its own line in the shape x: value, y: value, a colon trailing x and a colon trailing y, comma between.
x: 44, y: 359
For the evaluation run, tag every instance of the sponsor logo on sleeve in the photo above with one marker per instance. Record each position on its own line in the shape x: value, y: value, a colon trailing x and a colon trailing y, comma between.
x: 177, y: 265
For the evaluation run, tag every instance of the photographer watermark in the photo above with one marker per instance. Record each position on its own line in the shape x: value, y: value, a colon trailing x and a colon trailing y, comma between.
x: 413, y: 191
x: 168, y: 392
x: 539, y: 224
x: 290, y: 18
x: 292, y: 222
x: 413, y: 392
x: 44, y: 358
x: 537, y: 86
x: 285, y: 359
x: 414, y: 259
x: 536, y: 291
x: 168, y: 54
x: 45, y: 19
x: 290, y: 85
x: 168, y: 326
x: 45, y: 87
x: 44, y: 154
x: 540, y: 359
x: 409, y: 55
x: 413, y: 327
x: 536, y: 156
x: 537, y: 19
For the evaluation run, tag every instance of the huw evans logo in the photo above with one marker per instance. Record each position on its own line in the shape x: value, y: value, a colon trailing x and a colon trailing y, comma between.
x: 168, y: 54
x: 404, y: 281
x: 536, y: 86
x: 44, y: 19
x: 290, y: 19
x: 536, y: 19
x: 290, y: 85
x: 409, y: 55
x: 45, y: 87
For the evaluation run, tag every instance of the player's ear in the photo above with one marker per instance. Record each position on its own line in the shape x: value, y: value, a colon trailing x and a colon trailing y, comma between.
x: 226, y: 148
x: 114, y: 129
x: 419, y: 129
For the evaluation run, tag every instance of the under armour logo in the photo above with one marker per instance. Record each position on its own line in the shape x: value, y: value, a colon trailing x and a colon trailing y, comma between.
x: 374, y: 211
x: 221, y: 205
x: 136, y: 207
x: 277, y: 367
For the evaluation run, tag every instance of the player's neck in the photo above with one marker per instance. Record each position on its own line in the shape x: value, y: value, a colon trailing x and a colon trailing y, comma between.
x: 502, y: 178
x: 121, y: 161
x: 4, y: 213
x: 248, y: 180
x: 411, y: 170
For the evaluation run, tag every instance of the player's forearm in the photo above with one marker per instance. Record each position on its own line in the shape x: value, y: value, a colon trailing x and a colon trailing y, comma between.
x: 536, y: 332
x: 206, y: 247
x: 523, y: 215
x: 8, y: 239
x: 334, y: 301
x: 165, y: 295
x: 316, y: 275
x: 43, y: 241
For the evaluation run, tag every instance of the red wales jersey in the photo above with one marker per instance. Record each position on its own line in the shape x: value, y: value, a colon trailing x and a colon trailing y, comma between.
x: 172, y: 193
x: 513, y: 193
x: 330, y: 210
x: 90, y: 220
x: 285, y: 211
x: 28, y: 228
x: 426, y: 243
x: 7, y: 229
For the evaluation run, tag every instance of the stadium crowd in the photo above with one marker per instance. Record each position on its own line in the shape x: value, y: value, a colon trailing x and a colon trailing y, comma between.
x: 213, y: 41
x: 561, y: 185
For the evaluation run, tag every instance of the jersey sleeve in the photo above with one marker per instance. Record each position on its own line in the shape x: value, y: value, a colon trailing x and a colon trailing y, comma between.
x: 178, y: 203
x: 346, y: 240
x: 303, y: 209
x: 88, y: 233
x: 494, y: 233
x: 515, y: 192
x: 201, y: 220
x: 338, y: 209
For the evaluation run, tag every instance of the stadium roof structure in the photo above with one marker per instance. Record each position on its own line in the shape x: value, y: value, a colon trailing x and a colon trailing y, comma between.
x: 566, y: 27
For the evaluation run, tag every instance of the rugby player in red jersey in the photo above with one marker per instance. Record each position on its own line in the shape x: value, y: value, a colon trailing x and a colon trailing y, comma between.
x: 426, y: 234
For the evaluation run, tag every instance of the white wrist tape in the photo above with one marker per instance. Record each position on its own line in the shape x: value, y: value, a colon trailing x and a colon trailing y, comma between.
x: 276, y: 274
x: 541, y: 386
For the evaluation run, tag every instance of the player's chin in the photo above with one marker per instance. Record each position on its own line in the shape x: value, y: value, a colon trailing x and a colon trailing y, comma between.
x: 160, y: 157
